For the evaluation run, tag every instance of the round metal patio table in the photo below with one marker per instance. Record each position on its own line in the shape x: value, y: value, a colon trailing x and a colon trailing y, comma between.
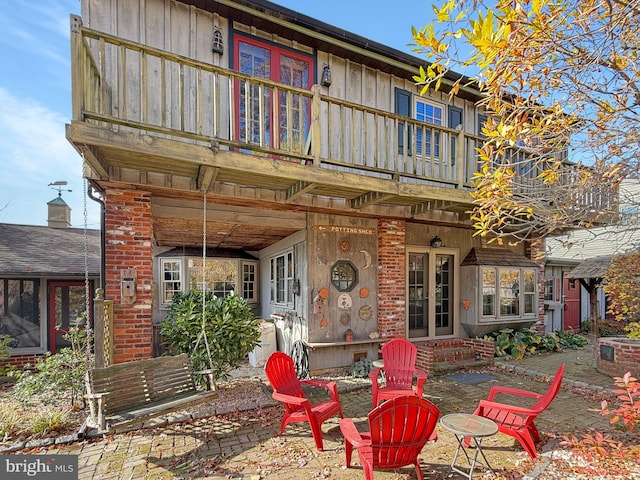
x: 474, y: 427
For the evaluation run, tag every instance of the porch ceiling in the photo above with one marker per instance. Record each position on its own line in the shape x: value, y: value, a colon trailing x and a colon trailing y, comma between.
x: 253, y: 200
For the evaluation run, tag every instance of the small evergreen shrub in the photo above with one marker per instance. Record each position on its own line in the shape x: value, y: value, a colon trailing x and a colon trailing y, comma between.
x: 229, y: 331
x: 59, y: 376
x: 361, y: 368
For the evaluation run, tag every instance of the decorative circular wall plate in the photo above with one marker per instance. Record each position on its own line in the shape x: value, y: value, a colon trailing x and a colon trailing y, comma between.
x: 364, y: 292
x: 345, y: 245
x: 345, y: 318
x: 344, y: 301
x: 365, y: 312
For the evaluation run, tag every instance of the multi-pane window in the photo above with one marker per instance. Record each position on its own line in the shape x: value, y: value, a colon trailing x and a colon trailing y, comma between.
x: 429, y: 113
x: 19, y: 312
x: 488, y: 292
x: 171, y: 278
x: 508, y: 292
x: 528, y: 292
x: 281, y: 279
x: 220, y: 276
x: 249, y: 282
x: 259, y: 122
x: 549, y: 289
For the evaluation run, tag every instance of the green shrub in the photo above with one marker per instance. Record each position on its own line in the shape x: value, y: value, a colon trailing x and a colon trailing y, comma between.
x: 56, y: 376
x: 12, y: 421
x: 49, y: 419
x: 361, y: 368
x: 230, y: 331
x: 571, y: 340
x: 518, y: 343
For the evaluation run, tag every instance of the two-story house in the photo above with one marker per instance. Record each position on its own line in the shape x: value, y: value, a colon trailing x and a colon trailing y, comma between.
x: 326, y: 191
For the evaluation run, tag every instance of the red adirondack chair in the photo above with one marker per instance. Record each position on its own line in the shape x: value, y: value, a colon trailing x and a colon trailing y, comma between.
x: 398, y: 431
x: 518, y: 421
x: 399, y: 357
x: 287, y: 389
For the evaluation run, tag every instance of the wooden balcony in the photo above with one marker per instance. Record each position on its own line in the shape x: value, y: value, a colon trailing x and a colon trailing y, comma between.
x: 149, y: 117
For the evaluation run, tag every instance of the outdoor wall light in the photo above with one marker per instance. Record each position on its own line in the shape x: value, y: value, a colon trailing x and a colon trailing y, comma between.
x: 296, y: 287
x: 436, y: 242
x: 326, y: 77
x: 217, y: 45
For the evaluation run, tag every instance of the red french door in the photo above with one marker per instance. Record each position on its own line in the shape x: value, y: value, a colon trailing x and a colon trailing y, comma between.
x: 571, y: 299
x: 66, y: 305
x: 259, y: 122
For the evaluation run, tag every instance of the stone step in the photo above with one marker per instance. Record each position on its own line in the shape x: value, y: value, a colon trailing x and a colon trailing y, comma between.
x: 444, y: 368
x: 453, y: 354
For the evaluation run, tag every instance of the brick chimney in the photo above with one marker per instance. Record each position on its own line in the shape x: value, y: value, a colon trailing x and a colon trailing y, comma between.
x: 59, y: 213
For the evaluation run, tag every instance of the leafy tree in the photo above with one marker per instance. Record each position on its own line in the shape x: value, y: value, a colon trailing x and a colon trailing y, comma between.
x: 622, y: 286
x: 552, y: 72
x: 229, y: 331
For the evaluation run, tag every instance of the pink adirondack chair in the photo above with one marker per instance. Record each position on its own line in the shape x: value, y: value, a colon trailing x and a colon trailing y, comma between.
x: 398, y: 431
x: 287, y: 389
x: 518, y: 421
x: 399, y: 357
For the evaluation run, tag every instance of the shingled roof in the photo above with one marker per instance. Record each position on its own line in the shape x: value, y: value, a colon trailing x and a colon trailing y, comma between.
x: 41, y: 251
x: 495, y: 256
x: 594, y: 267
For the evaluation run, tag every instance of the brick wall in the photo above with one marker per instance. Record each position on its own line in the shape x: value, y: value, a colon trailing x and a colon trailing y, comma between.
x: 391, y: 278
x: 19, y: 361
x: 128, y: 244
x: 626, y: 356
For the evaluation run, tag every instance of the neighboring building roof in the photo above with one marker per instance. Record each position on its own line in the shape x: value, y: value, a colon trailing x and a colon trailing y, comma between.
x: 494, y: 256
x: 592, y: 268
x: 43, y: 251
x: 579, y: 245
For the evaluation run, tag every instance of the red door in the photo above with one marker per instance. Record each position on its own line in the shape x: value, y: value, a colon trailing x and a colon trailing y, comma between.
x: 571, y: 298
x: 66, y: 305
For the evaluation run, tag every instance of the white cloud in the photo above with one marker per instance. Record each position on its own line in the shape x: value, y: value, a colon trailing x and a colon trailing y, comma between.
x: 34, y: 152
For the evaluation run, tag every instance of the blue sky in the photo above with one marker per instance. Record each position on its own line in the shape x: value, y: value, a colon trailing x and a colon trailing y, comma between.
x: 35, y: 93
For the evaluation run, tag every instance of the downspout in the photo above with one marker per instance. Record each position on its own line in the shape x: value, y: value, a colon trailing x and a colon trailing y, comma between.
x: 102, y: 227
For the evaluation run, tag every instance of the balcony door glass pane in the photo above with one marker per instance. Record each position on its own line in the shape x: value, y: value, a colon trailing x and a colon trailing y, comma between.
x: 418, y: 306
x: 444, y: 295
x: 294, y: 109
x: 254, y: 101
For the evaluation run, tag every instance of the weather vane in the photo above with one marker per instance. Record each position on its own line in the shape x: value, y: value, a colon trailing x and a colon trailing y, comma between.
x: 57, y: 185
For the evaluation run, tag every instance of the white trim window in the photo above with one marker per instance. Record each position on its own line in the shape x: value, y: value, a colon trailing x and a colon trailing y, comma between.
x: 509, y: 292
x: 250, y: 281
x: 281, y: 279
x: 428, y: 142
x: 171, y: 282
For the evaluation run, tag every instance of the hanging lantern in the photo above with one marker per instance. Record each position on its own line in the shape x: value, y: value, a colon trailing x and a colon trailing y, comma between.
x: 217, y: 45
x: 326, y: 77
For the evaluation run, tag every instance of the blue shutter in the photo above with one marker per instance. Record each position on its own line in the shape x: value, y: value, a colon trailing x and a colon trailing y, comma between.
x: 403, y: 108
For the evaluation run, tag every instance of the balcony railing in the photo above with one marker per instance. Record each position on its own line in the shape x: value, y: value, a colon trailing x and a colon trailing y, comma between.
x: 126, y: 85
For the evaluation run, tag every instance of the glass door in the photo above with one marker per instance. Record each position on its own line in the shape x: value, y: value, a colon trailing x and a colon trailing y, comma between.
x: 66, y: 307
x: 418, y: 304
x: 431, y: 293
x: 260, y: 120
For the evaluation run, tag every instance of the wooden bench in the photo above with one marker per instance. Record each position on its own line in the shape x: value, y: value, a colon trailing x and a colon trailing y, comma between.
x: 131, y: 392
